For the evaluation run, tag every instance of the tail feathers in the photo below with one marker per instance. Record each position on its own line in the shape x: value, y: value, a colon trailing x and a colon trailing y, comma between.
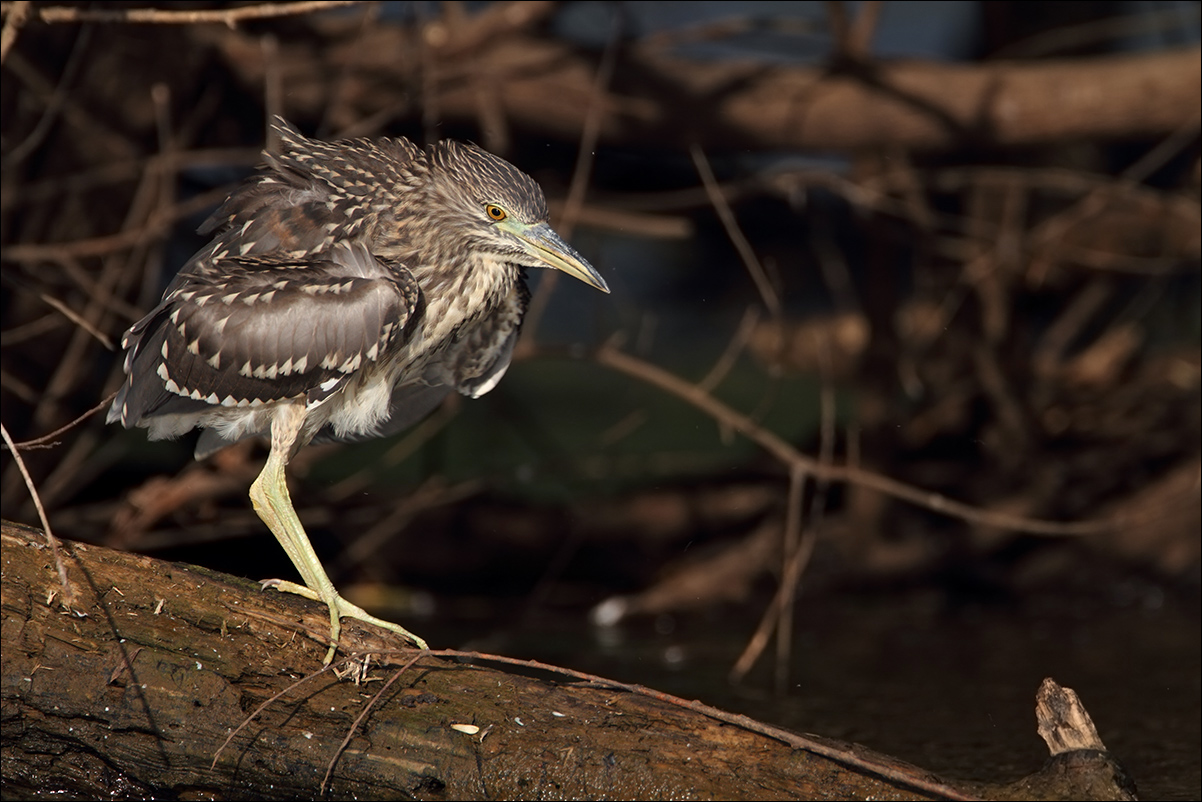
x: 143, y: 391
x: 118, y: 410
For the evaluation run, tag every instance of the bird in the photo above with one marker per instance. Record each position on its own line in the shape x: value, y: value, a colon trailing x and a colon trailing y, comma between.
x: 348, y: 288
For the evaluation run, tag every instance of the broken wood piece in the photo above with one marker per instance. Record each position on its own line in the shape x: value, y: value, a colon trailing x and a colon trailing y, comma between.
x: 1080, y: 767
x: 1064, y: 724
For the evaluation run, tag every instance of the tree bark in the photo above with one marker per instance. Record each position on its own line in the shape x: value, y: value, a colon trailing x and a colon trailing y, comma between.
x: 131, y: 691
x: 128, y: 684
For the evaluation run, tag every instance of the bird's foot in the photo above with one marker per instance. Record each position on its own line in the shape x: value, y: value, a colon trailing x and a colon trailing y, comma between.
x: 341, y: 608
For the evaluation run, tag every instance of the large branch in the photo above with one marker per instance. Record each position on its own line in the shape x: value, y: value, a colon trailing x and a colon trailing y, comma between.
x: 506, y: 76
x: 925, y: 105
x: 133, y: 689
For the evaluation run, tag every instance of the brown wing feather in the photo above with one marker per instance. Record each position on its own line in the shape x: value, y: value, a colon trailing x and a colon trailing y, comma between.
x: 252, y: 330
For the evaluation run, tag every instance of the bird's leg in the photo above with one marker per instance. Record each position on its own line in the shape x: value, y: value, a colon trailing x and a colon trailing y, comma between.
x: 269, y: 494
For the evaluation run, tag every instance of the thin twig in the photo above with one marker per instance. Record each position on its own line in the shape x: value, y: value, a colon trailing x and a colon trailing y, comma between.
x: 733, y: 350
x: 789, y: 579
x: 55, y: 103
x: 159, y: 16
x: 737, y: 238
x: 373, y: 540
x: 74, y: 317
x: 404, y: 447
x: 45, y: 441
x: 266, y: 703
x: 325, y: 781
x: 68, y: 595
x: 797, y: 550
x: 787, y: 594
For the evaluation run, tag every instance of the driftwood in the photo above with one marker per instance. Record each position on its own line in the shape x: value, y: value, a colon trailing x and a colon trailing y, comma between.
x: 131, y: 687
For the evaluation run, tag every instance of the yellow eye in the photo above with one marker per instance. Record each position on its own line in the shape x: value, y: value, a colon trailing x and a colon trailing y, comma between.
x: 495, y: 213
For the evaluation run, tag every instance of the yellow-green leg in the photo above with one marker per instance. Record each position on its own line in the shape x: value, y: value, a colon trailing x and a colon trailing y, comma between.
x: 269, y: 495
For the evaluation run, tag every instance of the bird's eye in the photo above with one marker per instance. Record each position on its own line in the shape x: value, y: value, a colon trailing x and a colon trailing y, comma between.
x: 495, y: 212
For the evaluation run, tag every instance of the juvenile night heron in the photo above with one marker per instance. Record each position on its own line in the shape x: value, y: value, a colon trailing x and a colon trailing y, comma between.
x: 349, y: 287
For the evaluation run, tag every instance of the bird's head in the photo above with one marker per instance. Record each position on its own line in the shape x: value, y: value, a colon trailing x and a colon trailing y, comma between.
x: 491, y: 206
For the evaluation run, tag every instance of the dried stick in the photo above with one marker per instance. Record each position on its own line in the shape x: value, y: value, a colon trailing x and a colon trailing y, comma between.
x: 325, y: 781
x: 68, y: 594
x: 18, y: 13
x: 45, y: 441
x: 746, y: 253
x: 787, y: 593
x: 734, y: 349
x: 614, y: 359
x: 265, y: 704
x: 230, y: 16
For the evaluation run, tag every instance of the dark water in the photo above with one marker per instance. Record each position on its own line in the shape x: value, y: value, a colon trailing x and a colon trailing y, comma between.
x: 951, y: 690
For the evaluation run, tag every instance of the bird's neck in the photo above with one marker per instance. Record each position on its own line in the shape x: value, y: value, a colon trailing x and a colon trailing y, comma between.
x: 468, y: 289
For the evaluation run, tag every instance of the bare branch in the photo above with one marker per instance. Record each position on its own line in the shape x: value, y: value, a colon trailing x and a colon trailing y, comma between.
x: 791, y: 457
x: 158, y: 16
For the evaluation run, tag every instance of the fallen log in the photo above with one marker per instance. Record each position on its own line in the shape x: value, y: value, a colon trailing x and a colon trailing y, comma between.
x: 142, y: 678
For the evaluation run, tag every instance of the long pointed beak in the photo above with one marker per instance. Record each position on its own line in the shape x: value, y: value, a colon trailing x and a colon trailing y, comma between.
x: 541, y: 242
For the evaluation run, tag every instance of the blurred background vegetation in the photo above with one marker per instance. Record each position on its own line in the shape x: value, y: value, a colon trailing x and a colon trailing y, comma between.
x: 867, y: 259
